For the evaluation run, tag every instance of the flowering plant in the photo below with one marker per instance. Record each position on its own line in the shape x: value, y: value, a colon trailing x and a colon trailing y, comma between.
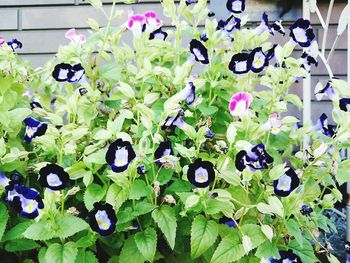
x: 166, y: 150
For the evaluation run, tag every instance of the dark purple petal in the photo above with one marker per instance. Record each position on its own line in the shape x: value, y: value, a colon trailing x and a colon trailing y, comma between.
x: 102, y: 219
x: 201, y: 173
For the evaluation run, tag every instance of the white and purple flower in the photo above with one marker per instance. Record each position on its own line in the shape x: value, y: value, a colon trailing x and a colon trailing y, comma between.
x: 344, y: 104
x: 306, y: 210
x: 102, y: 219
x: 34, y: 128
x: 302, y: 33
x: 239, y: 63
x: 119, y: 155
x: 158, y: 34
x: 278, y: 27
x: 53, y: 177
x: 66, y: 72
x: 264, y: 26
x: 328, y: 90
x: 199, y: 51
x: 24, y: 200
x: 286, y: 183
x: 15, y: 44
x: 323, y: 126
x: 201, y: 173
x: 162, y: 152
x: 171, y: 122
x: 255, y: 158
x: 235, y: 6
x: 188, y: 94
x: 286, y: 257
x: 239, y: 104
x: 258, y: 60
x: 231, y: 24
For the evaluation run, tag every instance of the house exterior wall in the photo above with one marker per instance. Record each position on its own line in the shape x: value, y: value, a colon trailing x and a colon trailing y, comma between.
x: 40, y: 25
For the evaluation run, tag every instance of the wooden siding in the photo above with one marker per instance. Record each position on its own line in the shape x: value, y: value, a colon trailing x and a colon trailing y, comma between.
x: 40, y: 25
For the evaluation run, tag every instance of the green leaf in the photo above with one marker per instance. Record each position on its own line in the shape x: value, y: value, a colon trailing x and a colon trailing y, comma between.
x: 294, y: 99
x: 207, y: 110
x: 41, y: 255
x: 93, y: 193
x: 203, y: 235
x: 255, y: 233
x: 343, y: 174
x: 21, y: 244
x: 4, y: 216
x: 69, y: 225
x: 16, y: 232
x: 130, y: 252
x: 140, y: 189
x: 306, y: 253
x: 126, y: 90
x: 85, y: 256
x: 166, y: 221
x: 57, y: 253
x: 142, y: 208
x: 294, y: 231
x: 146, y: 243
x: 229, y: 250
x: 41, y: 230
x: 117, y: 195
x: 267, y: 250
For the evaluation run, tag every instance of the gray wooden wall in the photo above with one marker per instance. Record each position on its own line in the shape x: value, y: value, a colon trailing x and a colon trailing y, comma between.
x: 40, y: 25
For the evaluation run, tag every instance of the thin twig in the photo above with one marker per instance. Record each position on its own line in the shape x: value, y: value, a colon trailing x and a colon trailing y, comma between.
x: 320, y: 17
x: 324, y: 40
x: 333, y: 48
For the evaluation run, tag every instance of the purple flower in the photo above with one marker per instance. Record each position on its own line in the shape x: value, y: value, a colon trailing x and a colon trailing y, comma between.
x: 255, y: 158
x: 344, y: 104
x: 231, y: 24
x: 327, y: 90
x: 24, y: 200
x: 53, y: 177
x: 302, y: 33
x: 286, y: 256
x: 264, y: 25
x: 235, y: 6
x: 323, y: 126
x: 201, y: 173
x: 158, y: 34
x: 119, y: 155
x: 286, y: 183
x: 239, y: 63
x: 164, y: 149
x: 228, y: 221
x: 66, y: 72
x: 102, y: 219
x: 199, y: 51
x: 277, y: 27
x: 14, y: 44
x: 305, y: 210
x: 34, y: 128
x: 174, y: 121
x: 258, y: 60
x: 309, y: 59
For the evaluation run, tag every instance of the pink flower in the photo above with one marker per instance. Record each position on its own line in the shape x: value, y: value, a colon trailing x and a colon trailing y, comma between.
x: 240, y: 103
x: 153, y: 22
x: 72, y: 35
x: 136, y: 24
x: 273, y: 124
x: 2, y: 41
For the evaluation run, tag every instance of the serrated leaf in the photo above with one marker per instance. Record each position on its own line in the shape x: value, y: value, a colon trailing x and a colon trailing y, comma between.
x: 294, y: 231
x: 146, y: 243
x: 69, y: 225
x: 203, y: 235
x: 21, y: 244
x: 93, y: 193
x: 255, y: 233
x: 57, y: 253
x: 4, y: 216
x: 166, y: 221
x: 41, y: 230
x: 16, y: 232
x: 117, y: 195
x: 140, y: 189
x: 306, y: 252
x: 229, y: 250
x: 130, y: 252
x: 267, y: 250
x: 85, y: 256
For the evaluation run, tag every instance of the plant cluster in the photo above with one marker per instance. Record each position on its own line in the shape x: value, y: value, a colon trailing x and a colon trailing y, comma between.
x: 177, y: 148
